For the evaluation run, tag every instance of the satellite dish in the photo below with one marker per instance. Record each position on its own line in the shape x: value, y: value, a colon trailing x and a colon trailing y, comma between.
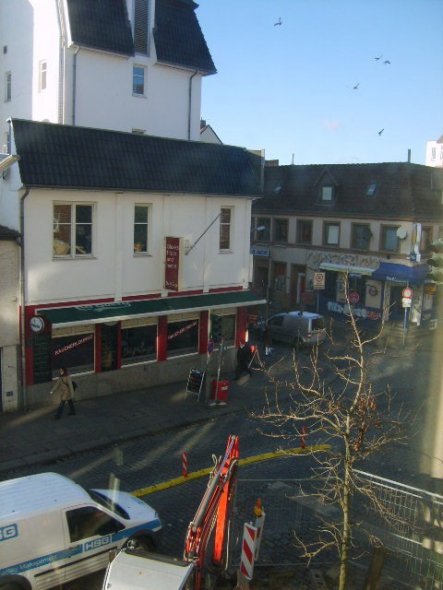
x: 401, y: 233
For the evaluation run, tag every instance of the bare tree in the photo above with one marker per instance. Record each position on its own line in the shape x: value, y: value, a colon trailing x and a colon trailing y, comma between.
x: 343, y: 411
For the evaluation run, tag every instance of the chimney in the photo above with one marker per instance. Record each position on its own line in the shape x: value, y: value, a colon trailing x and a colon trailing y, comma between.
x: 409, y: 155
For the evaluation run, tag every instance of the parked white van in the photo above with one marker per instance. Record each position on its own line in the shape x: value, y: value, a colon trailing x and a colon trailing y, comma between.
x: 52, y: 530
x: 297, y: 327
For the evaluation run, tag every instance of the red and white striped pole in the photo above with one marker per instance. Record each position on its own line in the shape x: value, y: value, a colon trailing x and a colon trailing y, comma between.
x: 185, y: 464
x: 248, y: 551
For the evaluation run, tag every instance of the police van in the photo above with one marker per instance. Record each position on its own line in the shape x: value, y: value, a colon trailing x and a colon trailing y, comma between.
x: 52, y: 530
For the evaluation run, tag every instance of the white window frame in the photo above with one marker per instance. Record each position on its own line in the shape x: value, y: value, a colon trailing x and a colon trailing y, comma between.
x: 327, y: 227
x: 42, y: 75
x: 147, y: 207
x: 141, y: 69
x: 224, y: 224
x: 73, y: 247
x: 327, y: 193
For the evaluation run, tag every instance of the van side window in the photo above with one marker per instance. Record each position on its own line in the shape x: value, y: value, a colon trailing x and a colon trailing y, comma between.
x: 277, y: 321
x: 88, y: 521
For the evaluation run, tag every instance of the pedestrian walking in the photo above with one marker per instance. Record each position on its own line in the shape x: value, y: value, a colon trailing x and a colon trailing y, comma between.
x: 244, y: 357
x: 64, y: 387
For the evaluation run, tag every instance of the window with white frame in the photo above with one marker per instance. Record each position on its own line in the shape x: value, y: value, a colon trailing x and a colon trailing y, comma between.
x: 72, y: 230
x: 138, y: 80
x: 327, y: 193
x: 389, y: 239
x: 225, y: 229
x: 426, y: 238
x: 141, y: 225
x: 42, y: 74
x: 331, y: 234
x: 8, y: 86
x: 360, y: 236
x: 281, y: 228
x: 263, y: 229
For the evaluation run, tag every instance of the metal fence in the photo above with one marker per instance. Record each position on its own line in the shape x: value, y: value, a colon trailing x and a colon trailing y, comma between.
x: 413, y: 537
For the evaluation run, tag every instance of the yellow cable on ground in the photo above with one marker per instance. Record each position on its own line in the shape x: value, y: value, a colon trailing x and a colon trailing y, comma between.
x: 178, y: 481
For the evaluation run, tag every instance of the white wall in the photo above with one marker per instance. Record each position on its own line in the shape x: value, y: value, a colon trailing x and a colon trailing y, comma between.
x: 103, y: 90
x: 115, y: 271
x: 104, y: 96
x: 9, y: 332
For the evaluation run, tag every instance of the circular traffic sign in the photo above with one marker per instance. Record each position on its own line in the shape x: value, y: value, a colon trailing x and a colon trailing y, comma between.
x: 407, y: 292
x: 354, y: 297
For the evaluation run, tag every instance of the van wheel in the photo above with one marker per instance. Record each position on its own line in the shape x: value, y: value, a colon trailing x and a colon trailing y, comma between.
x: 144, y: 544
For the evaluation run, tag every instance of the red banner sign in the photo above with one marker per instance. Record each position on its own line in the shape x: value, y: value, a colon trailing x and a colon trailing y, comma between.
x: 172, y: 264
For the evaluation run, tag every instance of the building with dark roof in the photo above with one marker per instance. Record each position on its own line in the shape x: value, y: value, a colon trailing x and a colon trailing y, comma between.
x: 113, y: 64
x: 135, y: 233
x: 370, y: 224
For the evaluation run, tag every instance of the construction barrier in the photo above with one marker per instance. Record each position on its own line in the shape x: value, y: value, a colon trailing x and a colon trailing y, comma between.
x: 220, y: 390
x: 248, y: 550
x: 185, y: 464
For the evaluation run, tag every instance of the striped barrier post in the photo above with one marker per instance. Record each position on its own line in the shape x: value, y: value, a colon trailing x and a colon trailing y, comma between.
x: 185, y: 464
x: 248, y: 550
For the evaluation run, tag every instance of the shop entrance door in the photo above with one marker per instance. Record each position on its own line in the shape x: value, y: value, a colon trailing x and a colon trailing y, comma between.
x: 109, y: 337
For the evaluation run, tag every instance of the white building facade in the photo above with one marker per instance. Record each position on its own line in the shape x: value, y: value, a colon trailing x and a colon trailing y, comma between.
x: 135, y: 235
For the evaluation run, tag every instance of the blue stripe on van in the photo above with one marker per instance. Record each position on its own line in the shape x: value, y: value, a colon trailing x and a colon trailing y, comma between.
x: 45, y: 560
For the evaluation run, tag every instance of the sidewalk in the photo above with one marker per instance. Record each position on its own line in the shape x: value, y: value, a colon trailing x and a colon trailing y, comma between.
x: 34, y: 437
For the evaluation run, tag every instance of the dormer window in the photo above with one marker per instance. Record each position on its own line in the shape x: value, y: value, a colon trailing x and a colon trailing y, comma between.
x: 327, y: 193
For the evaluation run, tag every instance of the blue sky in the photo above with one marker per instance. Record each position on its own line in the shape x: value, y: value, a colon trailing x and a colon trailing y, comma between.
x: 289, y: 89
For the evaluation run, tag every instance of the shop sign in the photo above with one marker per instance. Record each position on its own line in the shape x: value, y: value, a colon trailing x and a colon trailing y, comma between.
x: 359, y: 312
x: 260, y: 251
x: 174, y: 251
x: 318, y: 280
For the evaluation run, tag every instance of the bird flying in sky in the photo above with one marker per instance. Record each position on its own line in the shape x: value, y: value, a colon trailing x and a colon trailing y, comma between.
x: 356, y: 86
x: 379, y: 57
x: 278, y: 22
x: 381, y: 131
x: 387, y: 62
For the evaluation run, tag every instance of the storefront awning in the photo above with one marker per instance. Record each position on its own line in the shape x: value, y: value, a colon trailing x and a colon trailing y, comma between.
x: 389, y: 271
x: 356, y: 270
x: 122, y: 310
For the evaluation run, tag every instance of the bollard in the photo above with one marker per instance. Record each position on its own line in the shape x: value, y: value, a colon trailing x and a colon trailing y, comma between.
x: 185, y: 464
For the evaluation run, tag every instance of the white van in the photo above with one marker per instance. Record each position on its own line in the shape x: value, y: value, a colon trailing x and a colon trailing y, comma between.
x: 297, y: 327
x: 52, y: 530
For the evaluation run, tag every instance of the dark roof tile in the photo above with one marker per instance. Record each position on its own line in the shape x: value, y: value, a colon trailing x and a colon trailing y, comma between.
x: 402, y: 190
x: 101, y: 24
x: 79, y: 157
x: 178, y: 36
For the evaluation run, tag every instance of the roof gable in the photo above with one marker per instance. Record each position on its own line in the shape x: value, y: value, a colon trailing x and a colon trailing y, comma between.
x: 101, y: 24
x: 79, y: 157
x: 178, y: 37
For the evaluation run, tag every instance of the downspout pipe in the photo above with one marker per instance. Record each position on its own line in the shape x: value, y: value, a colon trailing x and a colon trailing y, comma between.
x: 22, y: 297
x: 74, y: 83
x: 190, y: 102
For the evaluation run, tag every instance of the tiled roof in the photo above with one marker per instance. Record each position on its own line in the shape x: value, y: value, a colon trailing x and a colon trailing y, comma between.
x: 8, y: 234
x: 178, y: 36
x: 78, y: 157
x: 400, y: 191
x: 101, y: 24
x: 179, y: 41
